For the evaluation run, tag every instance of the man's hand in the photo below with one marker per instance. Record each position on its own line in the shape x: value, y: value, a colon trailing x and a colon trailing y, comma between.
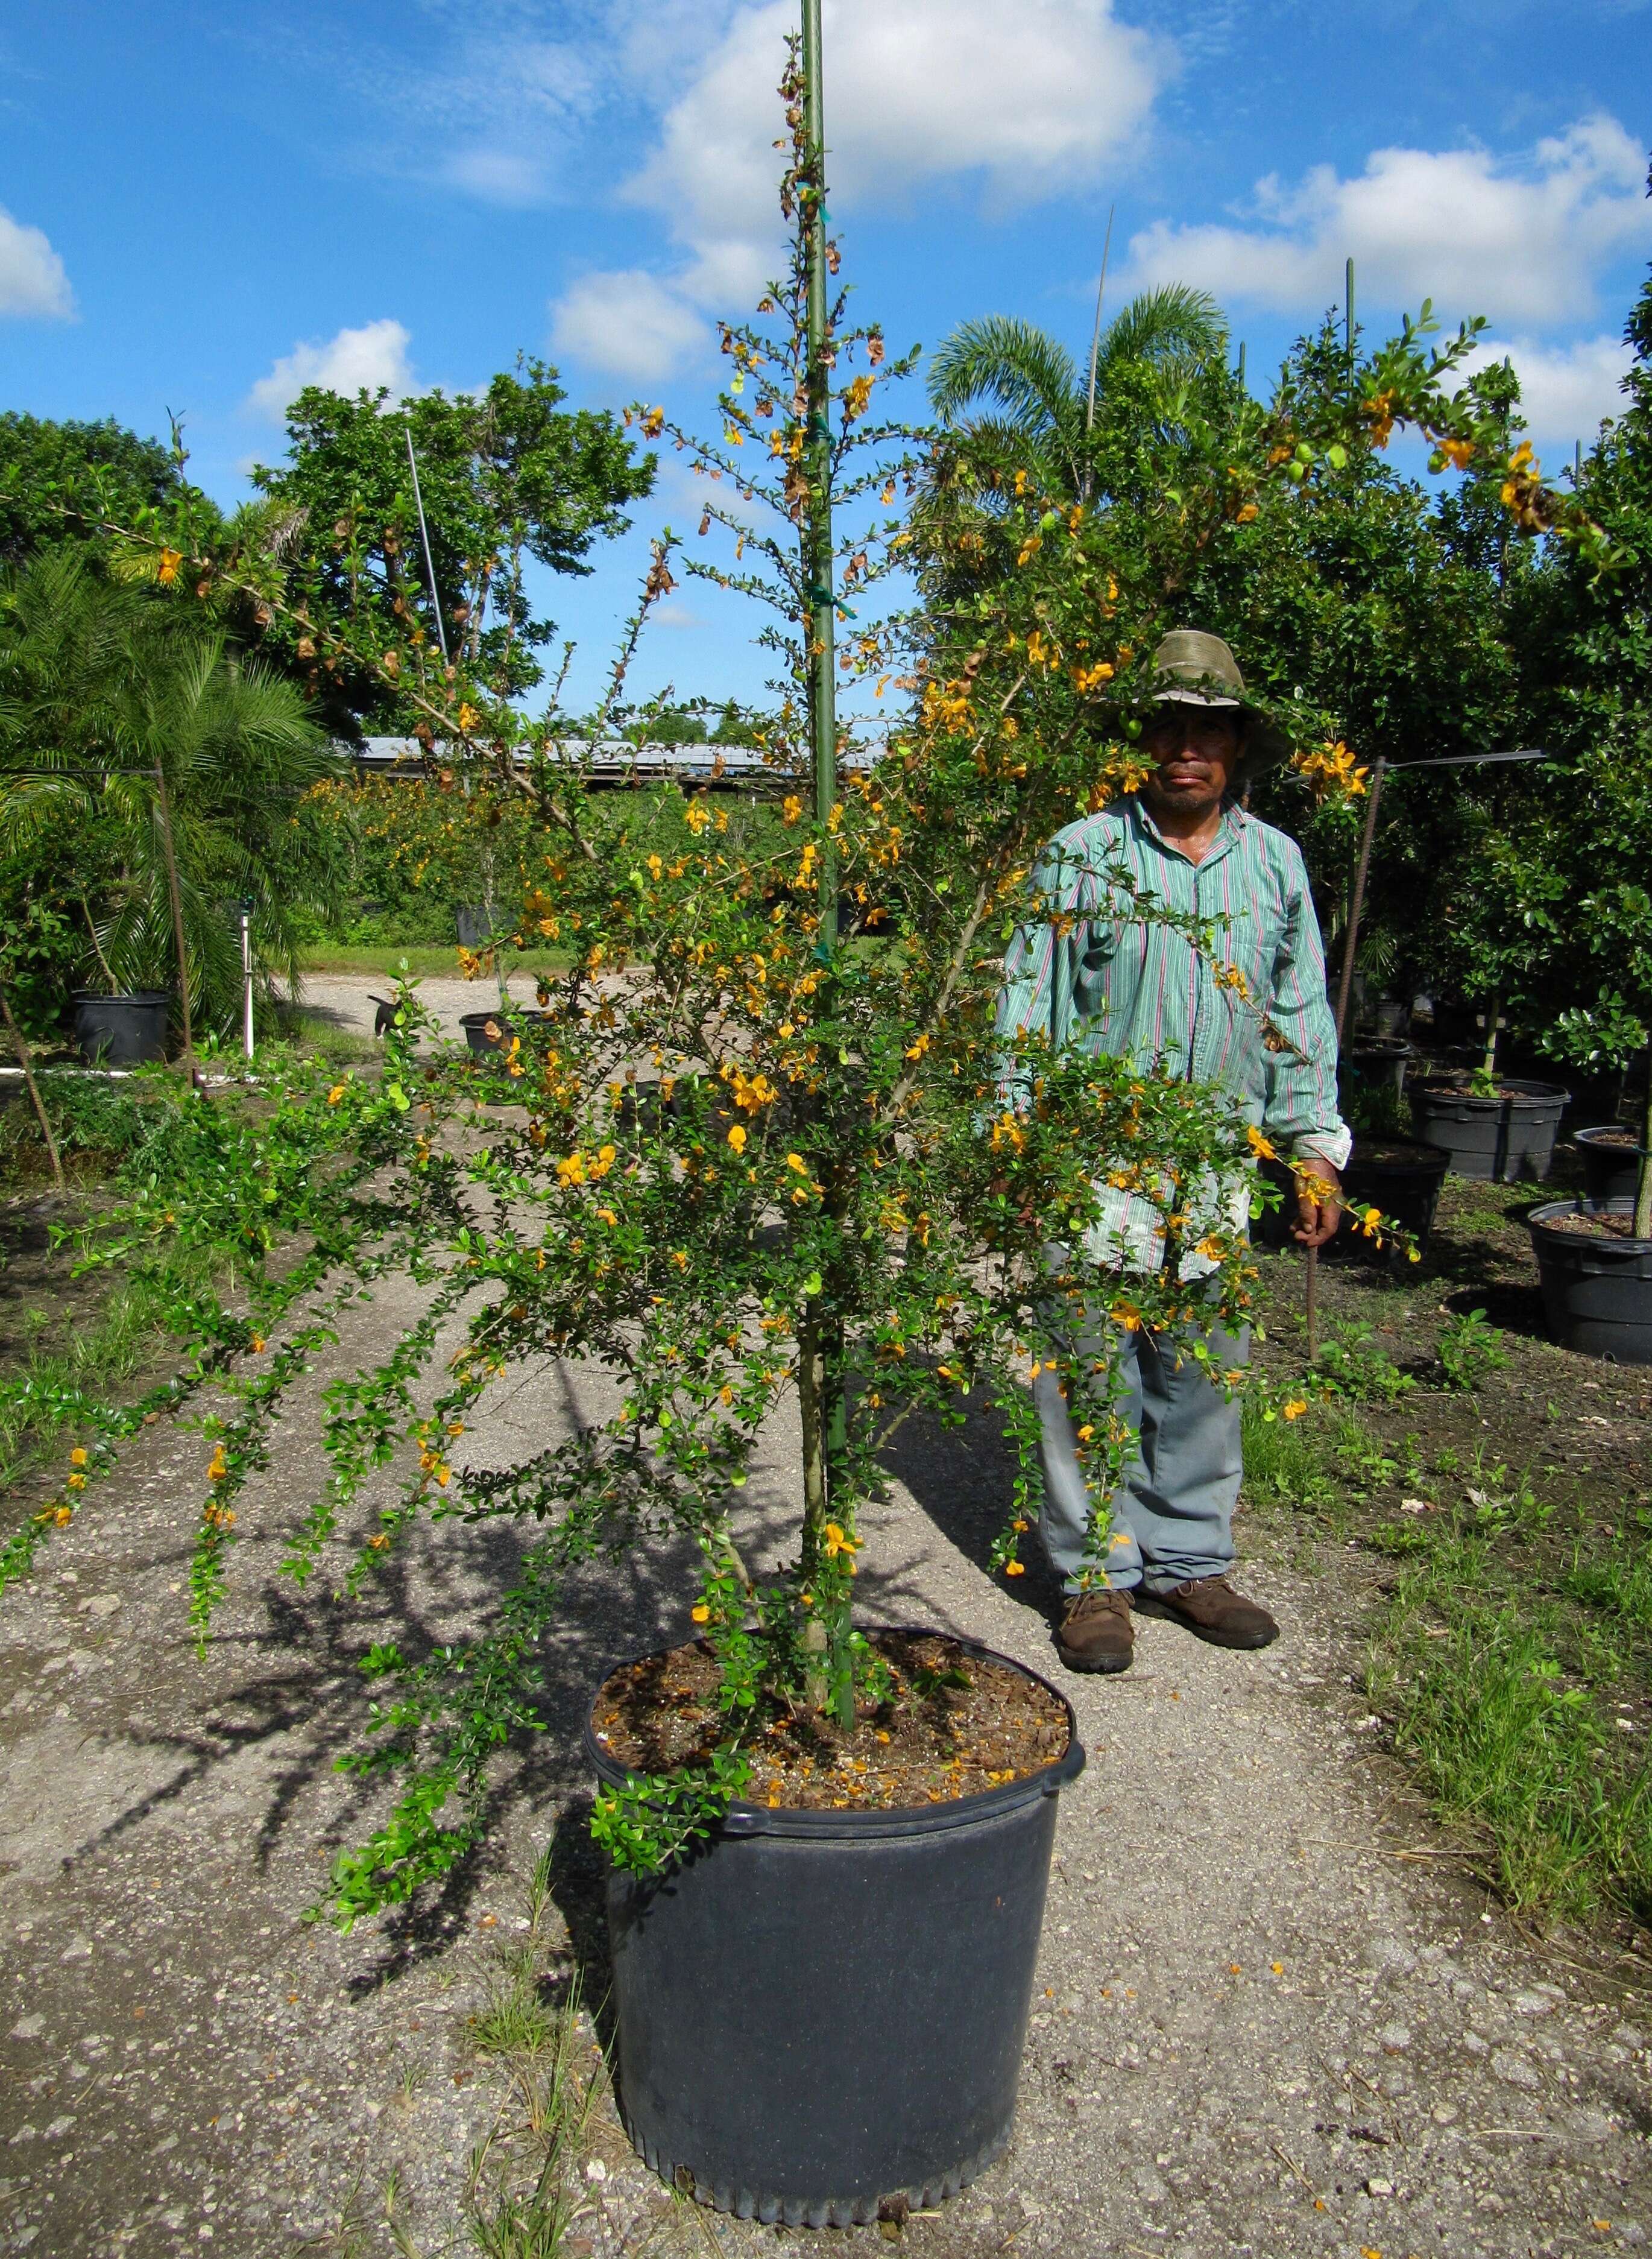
x: 1318, y: 1191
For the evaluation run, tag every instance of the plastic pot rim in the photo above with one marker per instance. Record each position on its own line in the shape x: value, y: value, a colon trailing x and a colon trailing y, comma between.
x: 148, y: 997
x: 867, y: 1824
x: 1516, y: 1092
x: 1616, y: 1131
x: 1595, y: 1243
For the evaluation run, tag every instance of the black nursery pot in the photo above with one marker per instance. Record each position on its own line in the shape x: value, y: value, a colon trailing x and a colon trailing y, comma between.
x: 1379, y: 1062
x: 477, y: 1025
x: 1612, y: 1163
x: 1503, y: 1140
x: 823, y: 2011
x: 1596, y: 1291
x: 1400, y: 1176
x: 477, y: 924
x: 121, y: 1031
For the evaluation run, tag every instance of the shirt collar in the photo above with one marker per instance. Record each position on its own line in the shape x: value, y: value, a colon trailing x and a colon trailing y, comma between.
x: 1234, y: 820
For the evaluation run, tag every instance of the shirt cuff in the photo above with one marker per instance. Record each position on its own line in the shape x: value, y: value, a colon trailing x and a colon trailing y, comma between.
x: 1333, y: 1147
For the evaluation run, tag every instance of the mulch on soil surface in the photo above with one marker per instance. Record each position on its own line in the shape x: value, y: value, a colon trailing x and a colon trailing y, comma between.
x: 956, y: 1723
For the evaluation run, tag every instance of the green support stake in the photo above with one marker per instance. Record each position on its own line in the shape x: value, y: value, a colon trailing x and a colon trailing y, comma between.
x: 823, y: 681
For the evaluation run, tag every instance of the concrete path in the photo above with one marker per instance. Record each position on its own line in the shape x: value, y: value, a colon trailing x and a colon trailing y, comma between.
x: 347, y: 999
x: 1267, y: 2020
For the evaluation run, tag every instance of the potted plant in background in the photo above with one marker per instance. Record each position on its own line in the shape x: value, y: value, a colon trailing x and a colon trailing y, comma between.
x: 184, y: 776
x: 1589, y: 629
x: 1502, y: 935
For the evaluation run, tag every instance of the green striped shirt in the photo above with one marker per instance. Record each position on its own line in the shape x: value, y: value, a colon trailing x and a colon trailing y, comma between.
x: 1113, y: 982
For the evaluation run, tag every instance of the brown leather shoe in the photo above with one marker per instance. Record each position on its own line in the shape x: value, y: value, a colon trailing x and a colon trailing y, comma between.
x: 1096, y: 1633
x: 1210, y: 1607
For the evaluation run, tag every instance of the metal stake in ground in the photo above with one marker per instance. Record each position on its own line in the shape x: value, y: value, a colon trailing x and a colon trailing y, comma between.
x: 26, y: 1063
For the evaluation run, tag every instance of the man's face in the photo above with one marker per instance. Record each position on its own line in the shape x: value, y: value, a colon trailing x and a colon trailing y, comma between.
x: 1194, y: 751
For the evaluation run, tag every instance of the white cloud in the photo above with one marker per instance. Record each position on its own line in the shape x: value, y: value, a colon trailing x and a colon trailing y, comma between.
x: 627, y: 323
x: 1521, y: 239
x: 497, y: 177
x: 31, y: 277
x: 354, y: 360
x: 1030, y: 99
x: 1565, y: 390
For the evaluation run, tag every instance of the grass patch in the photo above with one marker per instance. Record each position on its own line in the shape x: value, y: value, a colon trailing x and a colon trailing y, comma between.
x: 1497, y: 1708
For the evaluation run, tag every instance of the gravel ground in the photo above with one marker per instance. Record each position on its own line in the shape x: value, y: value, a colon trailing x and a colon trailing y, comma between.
x: 347, y: 998
x: 1269, y: 2019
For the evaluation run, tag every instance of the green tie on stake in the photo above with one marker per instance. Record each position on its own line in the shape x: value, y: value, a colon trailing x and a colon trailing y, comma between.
x: 1380, y: 768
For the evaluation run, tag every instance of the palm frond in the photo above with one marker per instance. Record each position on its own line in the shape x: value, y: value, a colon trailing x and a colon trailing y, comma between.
x: 1174, y: 323
x: 1014, y: 363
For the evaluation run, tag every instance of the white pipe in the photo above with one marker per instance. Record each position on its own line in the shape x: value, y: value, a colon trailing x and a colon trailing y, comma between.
x: 246, y: 980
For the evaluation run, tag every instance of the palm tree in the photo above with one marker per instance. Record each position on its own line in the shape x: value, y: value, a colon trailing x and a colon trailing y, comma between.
x: 1151, y: 351
x: 103, y: 690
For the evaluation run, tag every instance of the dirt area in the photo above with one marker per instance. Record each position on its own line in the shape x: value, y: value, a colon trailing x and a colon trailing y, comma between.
x: 953, y: 1724
x: 1277, y: 2011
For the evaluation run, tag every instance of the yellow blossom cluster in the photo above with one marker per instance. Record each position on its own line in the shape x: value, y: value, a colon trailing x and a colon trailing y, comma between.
x: 1330, y: 770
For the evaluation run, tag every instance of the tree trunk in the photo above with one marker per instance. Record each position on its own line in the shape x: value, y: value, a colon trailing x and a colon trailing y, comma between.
x: 23, y: 1061
x: 1643, y: 1183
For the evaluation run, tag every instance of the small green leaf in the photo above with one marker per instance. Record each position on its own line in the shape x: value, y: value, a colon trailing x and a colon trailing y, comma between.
x: 812, y: 1284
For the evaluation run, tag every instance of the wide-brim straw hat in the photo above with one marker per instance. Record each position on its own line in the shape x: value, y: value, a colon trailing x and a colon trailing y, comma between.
x: 1191, y: 668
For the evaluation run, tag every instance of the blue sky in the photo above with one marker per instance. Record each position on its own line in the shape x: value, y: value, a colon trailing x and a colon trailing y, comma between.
x: 206, y: 204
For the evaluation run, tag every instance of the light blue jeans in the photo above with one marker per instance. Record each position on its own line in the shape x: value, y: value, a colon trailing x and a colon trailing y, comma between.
x: 1173, y: 1509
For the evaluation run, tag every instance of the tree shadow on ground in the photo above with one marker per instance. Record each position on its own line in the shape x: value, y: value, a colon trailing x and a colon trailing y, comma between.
x: 963, y: 1478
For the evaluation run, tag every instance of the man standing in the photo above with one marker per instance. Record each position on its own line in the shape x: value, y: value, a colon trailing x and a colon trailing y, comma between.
x: 1113, y: 982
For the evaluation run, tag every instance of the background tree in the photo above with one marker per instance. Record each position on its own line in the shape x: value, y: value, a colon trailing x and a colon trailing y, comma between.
x: 505, y: 476
x: 100, y: 687
x: 57, y: 479
x: 1590, y: 637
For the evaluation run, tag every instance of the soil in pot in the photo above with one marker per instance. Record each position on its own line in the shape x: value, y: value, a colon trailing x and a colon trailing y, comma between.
x: 956, y: 1724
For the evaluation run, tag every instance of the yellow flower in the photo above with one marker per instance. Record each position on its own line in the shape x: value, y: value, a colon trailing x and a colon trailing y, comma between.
x: 77, y: 1457
x: 77, y: 1482
x: 1295, y: 1409
x: 1259, y: 1145
x: 737, y: 1137
x: 838, y: 1540
x: 1126, y: 1315
x: 166, y: 572
x: 702, y: 1615
x: 468, y: 718
x: 1014, y: 1569
x: 336, y: 1092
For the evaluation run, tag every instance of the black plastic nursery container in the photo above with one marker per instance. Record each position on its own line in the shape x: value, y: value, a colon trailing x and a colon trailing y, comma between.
x: 1612, y: 1163
x: 1400, y: 1176
x: 1378, y: 1062
x: 121, y: 1031
x: 1505, y: 1140
x: 824, y: 2010
x: 1596, y: 1291
x: 477, y: 1025
x: 477, y: 924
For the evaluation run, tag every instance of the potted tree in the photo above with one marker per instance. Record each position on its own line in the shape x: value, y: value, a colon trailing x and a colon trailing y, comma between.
x: 767, y: 1162
x: 1596, y: 1261
x: 183, y: 773
x: 1501, y: 929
